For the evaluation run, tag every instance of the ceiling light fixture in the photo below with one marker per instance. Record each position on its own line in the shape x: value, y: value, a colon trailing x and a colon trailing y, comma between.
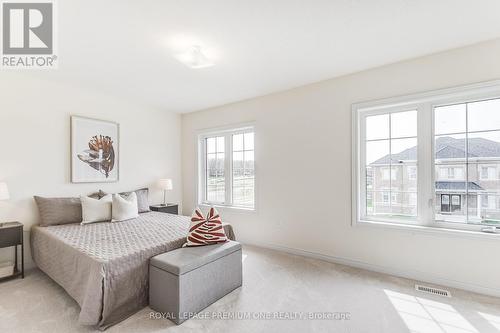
x: 194, y: 58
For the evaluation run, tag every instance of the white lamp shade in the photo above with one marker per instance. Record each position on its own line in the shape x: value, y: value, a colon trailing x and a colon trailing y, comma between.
x: 4, y: 191
x: 165, y: 184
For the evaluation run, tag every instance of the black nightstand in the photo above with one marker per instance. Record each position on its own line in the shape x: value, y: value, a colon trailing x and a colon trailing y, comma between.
x: 169, y: 208
x: 11, y: 234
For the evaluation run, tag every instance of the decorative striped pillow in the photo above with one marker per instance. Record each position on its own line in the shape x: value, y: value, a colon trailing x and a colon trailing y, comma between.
x: 206, y: 231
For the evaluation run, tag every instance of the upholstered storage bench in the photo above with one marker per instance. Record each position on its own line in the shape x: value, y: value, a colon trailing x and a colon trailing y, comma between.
x: 185, y: 281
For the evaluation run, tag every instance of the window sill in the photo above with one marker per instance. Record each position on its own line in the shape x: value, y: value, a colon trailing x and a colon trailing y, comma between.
x: 420, y: 229
x: 234, y: 209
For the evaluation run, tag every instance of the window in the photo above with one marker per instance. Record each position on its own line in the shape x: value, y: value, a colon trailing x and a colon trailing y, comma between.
x: 394, y: 198
x: 227, y: 168
x: 412, y: 172
x: 390, y: 173
x: 385, y: 197
x: 469, y: 139
x: 445, y: 203
x: 390, y: 145
x: 488, y: 173
x: 488, y: 201
x: 450, y: 203
x: 430, y: 159
x: 443, y: 173
x: 386, y: 173
x: 243, y: 169
x: 451, y: 173
x: 215, y: 175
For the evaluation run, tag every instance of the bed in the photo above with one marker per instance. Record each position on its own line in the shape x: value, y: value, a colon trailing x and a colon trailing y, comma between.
x: 104, y: 266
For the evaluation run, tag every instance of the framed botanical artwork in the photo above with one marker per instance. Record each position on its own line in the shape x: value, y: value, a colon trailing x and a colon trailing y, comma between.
x: 94, y: 150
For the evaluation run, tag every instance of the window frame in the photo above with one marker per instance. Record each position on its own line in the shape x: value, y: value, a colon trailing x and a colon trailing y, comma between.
x: 488, y: 178
x: 412, y: 175
x: 227, y: 132
x: 451, y: 175
x: 203, y: 146
x: 424, y: 103
x: 362, y: 153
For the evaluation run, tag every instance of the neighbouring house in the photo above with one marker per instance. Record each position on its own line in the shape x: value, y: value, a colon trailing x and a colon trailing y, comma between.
x: 463, y: 186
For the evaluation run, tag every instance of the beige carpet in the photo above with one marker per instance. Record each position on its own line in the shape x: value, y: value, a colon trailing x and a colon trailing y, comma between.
x: 275, y: 285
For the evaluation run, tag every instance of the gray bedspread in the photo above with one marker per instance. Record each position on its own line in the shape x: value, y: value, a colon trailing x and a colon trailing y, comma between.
x: 104, y: 266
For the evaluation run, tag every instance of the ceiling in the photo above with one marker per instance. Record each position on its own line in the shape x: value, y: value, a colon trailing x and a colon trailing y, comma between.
x: 127, y: 48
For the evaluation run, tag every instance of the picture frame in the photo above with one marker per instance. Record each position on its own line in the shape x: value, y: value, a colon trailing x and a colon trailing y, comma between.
x: 95, y: 151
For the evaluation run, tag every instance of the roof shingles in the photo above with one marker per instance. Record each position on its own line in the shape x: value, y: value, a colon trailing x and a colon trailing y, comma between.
x: 448, y: 148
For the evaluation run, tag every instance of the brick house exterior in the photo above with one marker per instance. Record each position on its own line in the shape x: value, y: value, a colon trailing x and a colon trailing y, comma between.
x: 392, y: 181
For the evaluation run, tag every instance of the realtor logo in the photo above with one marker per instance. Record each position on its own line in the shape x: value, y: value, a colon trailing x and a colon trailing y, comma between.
x: 28, y: 35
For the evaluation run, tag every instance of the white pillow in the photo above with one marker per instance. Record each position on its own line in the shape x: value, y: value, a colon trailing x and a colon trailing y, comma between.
x: 96, y: 210
x: 124, y: 208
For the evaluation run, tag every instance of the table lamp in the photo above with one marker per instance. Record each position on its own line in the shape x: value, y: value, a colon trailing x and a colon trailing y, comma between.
x: 165, y: 185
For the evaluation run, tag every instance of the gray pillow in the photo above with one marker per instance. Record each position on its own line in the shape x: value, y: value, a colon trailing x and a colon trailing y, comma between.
x: 142, y: 198
x: 59, y: 210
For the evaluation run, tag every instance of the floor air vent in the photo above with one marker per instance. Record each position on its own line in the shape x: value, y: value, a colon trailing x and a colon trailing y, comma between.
x: 431, y: 290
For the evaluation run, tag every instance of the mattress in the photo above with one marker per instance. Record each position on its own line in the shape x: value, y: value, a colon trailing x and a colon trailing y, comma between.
x: 105, y: 266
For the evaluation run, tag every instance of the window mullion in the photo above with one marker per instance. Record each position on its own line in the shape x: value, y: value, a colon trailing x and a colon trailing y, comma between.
x: 425, y: 164
x: 203, y: 167
x: 466, y: 162
x: 228, y: 162
x: 390, y: 165
x: 205, y: 171
x: 361, y: 176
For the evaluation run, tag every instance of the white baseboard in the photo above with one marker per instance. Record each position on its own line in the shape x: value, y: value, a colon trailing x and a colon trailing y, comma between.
x: 408, y: 274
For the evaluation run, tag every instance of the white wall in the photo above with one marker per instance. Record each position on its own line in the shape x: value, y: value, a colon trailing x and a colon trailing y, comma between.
x: 35, y: 144
x: 303, y: 161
